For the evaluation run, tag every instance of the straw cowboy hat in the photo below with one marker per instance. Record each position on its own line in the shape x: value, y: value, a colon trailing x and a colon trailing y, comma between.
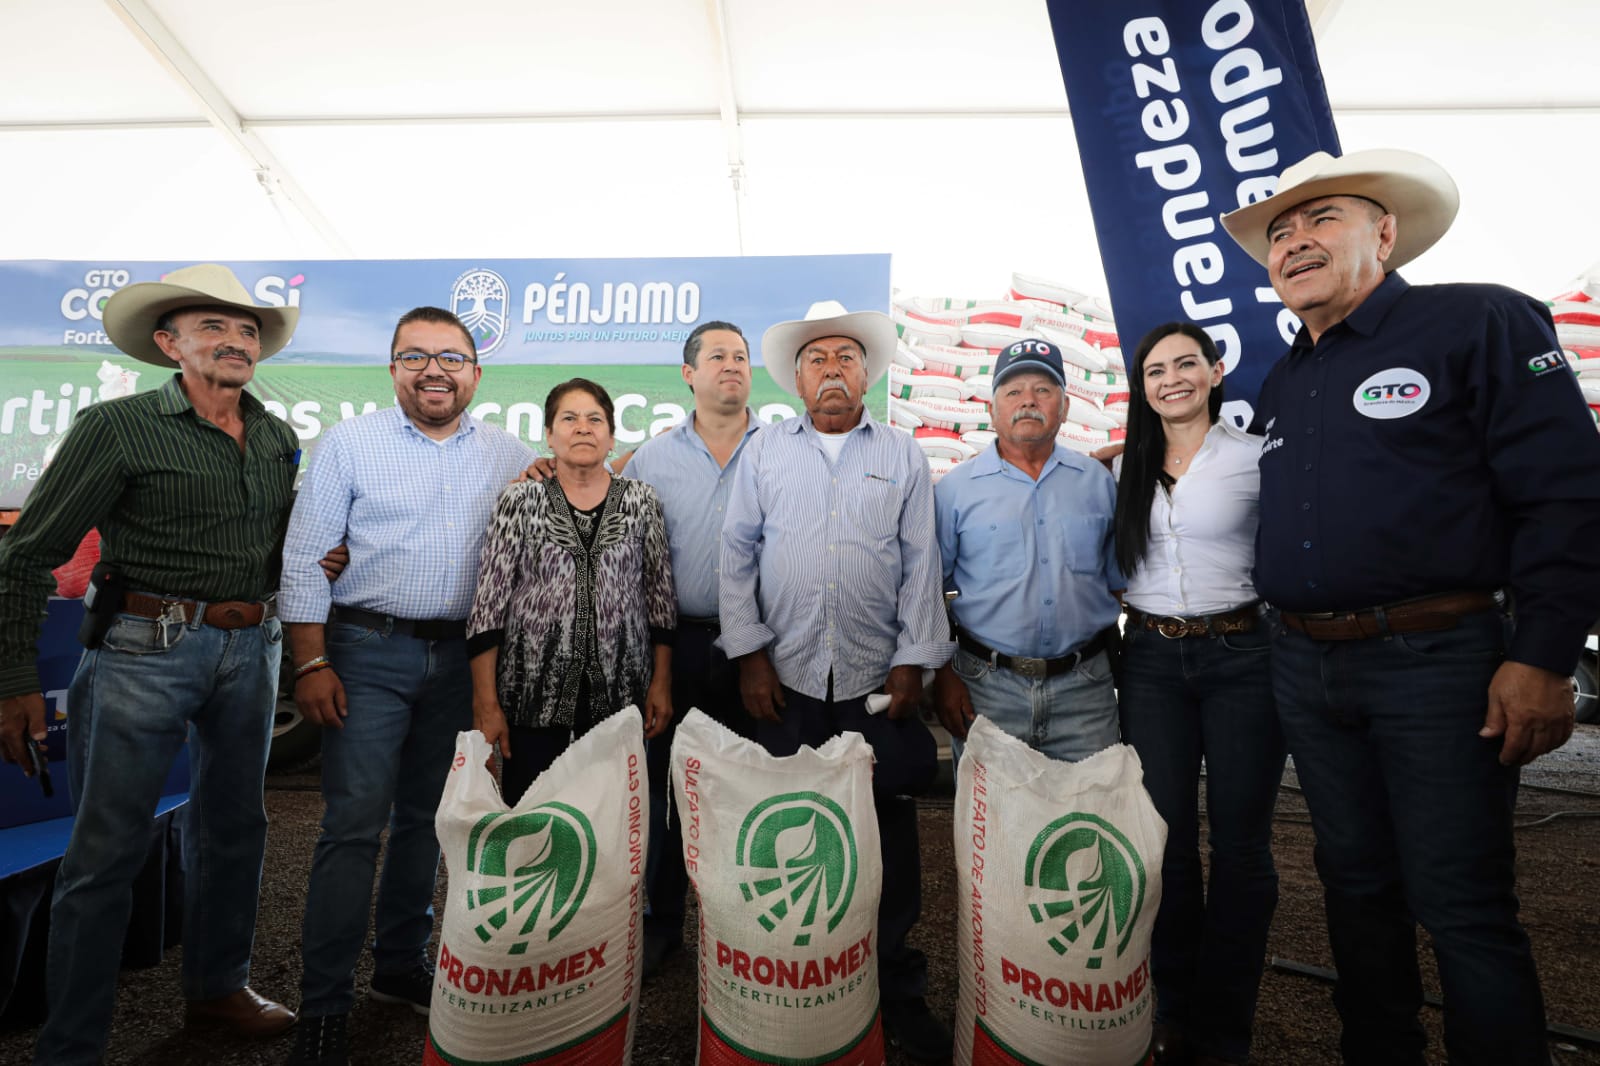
x: 1413, y: 188
x: 873, y: 330
x: 132, y: 312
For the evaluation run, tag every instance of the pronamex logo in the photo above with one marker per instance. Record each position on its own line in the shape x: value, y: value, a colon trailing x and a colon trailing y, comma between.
x: 531, y: 870
x: 1085, y: 883
x: 798, y: 855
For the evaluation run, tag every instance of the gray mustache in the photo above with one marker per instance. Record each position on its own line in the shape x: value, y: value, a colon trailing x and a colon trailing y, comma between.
x: 1027, y: 413
x: 221, y: 353
x: 827, y: 385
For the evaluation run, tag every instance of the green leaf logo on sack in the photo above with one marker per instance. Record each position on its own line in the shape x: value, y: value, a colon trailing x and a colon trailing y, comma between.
x: 1085, y: 881
x: 533, y: 868
x: 799, y: 855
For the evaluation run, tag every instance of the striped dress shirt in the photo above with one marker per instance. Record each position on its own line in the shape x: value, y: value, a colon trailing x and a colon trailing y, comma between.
x: 412, y: 510
x: 833, y: 566
x: 694, y: 492
x: 181, y: 510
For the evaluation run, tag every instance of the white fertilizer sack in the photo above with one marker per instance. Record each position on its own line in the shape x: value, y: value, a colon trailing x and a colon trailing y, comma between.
x: 1058, y: 879
x: 541, y: 940
x: 783, y: 854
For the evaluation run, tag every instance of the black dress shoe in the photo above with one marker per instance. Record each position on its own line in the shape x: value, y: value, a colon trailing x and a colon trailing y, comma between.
x: 321, y: 1041
x: 1169, y: 1047
x: 657, y: 950
x: 917, y: 1031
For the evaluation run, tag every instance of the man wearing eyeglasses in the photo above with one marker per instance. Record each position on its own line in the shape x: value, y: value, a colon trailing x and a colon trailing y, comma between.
x: 380, y: 660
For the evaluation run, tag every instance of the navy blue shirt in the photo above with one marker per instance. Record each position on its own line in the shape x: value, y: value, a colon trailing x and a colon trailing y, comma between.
x: 1434, y: 441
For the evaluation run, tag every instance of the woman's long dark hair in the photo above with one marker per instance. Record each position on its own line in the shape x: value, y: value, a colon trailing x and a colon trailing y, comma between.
x: 1145, y: 454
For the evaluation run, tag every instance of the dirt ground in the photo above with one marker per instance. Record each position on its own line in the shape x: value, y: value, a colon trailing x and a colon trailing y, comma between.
x: 1559, y: 883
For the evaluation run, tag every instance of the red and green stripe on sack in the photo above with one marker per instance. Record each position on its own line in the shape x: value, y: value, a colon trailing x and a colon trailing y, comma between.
x: 718, y: 1049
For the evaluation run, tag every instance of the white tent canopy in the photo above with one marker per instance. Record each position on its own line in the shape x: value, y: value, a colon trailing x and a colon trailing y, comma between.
x: 936, y: 130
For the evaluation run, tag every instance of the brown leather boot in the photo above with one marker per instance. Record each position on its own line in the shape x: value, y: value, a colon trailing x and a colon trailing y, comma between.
x: 243, y: 1012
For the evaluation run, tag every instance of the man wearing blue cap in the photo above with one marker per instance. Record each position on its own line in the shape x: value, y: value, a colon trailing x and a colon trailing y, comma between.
x: 1025, y: 536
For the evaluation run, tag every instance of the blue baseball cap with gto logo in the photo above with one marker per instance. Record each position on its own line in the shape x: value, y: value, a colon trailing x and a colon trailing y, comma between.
x: 1038, y: 356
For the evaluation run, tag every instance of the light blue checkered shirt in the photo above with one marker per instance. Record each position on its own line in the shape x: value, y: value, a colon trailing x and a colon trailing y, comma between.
x: 412, y: 510
x: 833, y: 566
x: 694, y: 495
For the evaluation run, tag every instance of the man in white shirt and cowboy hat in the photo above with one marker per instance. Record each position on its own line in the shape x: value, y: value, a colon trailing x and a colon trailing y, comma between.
x: 1428, y: 508
x: 190, y: 486
x: 830, y: 591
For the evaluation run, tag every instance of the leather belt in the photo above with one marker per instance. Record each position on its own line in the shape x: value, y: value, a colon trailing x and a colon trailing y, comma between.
x: 713, y: 624
x: 429, y: 629
x: 222, y: 614
x: 1175, y: 627
x: 1421, y: 615
x: 1034, y: 668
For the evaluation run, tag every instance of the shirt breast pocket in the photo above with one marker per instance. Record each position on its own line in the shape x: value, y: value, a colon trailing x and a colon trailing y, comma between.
x: 998, y: 548
x: 1078, y: 541
x: 875, y: 511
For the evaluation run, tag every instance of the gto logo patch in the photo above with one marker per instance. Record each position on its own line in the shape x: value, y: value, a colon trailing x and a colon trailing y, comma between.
x: 1391, y: 394
x: 1543, y: 364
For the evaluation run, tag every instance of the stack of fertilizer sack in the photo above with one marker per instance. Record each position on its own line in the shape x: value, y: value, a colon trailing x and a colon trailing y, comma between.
x: 942, y: 376
x: 1577, y: 316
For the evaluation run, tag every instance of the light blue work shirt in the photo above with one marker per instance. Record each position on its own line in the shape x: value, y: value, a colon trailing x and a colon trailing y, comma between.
x: 1034, y: 561
x: 832, y: 566
x: 412, y: 510
x: 693, y: 491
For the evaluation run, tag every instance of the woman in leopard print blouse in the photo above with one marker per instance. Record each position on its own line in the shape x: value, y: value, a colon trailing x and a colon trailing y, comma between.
x: 574, y: 613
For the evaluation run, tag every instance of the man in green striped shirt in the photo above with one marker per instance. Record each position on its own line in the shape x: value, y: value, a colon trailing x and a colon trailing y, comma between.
x: 190, y: 487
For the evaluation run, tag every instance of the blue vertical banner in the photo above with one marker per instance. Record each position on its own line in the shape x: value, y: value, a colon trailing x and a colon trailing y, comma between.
x: 1185, y: 110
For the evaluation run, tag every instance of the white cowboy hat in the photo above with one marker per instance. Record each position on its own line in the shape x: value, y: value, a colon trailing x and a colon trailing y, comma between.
x: 1413, y: 188
x: 873, y: 330
x: 132, y: 312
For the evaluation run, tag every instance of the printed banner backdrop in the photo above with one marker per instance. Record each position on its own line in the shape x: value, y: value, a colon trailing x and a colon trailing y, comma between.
x: 1184, y: 111
x: 537, y: 322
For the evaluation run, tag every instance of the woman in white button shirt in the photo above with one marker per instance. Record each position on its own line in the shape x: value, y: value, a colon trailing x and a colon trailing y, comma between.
x: 1196, y: 687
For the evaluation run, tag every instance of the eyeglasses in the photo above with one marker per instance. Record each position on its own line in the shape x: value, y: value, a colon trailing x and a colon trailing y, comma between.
x: 449, y: 362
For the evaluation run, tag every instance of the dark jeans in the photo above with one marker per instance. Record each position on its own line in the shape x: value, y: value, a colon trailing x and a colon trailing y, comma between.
x: 1184, y: 701
x: 408, y: 698
x: 533, y: 750
x: 1412, y: 812
x: 702, y: 677
x: 907, y: 761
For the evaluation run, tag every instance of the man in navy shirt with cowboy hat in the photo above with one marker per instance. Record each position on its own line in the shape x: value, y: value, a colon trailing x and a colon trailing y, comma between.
x: 1429, y: 502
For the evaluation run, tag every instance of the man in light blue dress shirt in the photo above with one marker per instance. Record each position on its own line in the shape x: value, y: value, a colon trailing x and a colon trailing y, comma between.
x: 691, y: 467
x: 380, y: 660
x: 830, y: 592
x: 1025, y: 538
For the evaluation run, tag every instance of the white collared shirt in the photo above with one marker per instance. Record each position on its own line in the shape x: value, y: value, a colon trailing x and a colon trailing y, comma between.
x: 1203, y: 534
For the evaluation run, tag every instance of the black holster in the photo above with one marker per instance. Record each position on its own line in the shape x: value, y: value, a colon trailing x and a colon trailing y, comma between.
x: 101, y: 604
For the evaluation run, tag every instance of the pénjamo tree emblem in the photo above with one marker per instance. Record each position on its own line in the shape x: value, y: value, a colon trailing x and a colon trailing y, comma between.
x: 798, y: 854
x: 530, y: 871
x: 1086, y: 882
x: 480, y: 298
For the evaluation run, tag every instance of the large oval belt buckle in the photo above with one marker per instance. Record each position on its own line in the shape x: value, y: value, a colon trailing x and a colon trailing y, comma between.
x: 1171, y: 628
x: 233, y: 617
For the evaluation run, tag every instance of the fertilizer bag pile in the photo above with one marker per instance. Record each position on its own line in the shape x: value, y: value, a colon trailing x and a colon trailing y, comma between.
x: 541, y: 941
x: 783, y: 854
x: 1058, y: 878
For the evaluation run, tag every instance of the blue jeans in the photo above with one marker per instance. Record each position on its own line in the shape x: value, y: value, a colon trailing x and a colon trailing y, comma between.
x: 702, y: 678
x: 407, y: 698
x: 1183, y: 701
x: 1069, y: 717
x: 1412, y: 812
x: 131, y: 704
